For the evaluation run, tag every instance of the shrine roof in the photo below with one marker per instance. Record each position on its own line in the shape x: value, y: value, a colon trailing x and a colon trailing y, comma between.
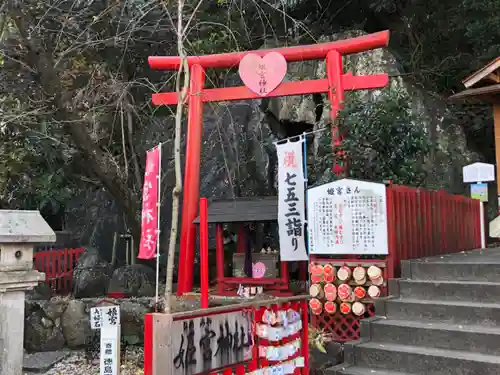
x: 487, y: 74
x: 240, y: 210
x: 483, y: 84
x: 491, y: 92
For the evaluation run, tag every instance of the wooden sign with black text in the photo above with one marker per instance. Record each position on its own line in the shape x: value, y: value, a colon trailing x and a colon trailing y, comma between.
x: 212, y: 342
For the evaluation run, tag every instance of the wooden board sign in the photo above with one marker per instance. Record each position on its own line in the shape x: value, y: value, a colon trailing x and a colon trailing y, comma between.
x: 347, y: 217
x: 207, y: 343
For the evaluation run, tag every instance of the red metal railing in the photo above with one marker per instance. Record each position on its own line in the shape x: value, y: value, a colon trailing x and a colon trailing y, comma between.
x: 426, y: 223
x: 58, y: 267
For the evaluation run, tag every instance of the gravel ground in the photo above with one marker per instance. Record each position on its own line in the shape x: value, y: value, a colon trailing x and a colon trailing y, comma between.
x: 76, y: 364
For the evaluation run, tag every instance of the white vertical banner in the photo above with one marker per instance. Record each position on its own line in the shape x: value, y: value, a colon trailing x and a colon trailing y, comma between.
x: 291, y: 201
x: 110, y: 350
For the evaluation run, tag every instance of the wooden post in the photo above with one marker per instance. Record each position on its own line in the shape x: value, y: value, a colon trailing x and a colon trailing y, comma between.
x: 496, y: 125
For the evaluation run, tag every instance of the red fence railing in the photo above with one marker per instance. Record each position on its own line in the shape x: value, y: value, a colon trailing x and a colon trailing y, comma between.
x: 425, y: 223
x: 58, y: 268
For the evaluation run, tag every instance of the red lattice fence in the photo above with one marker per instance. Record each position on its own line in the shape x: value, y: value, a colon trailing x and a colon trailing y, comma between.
x: 423, y: 223
x: 58, y: 268
x: 346, y: 327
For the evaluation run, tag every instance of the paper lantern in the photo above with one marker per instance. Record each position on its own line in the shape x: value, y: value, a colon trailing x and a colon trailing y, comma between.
x: 315, y: 290
x: 330, y: 307
x: 330, y: 278
x: 358, y: 274
x: 345, y: 308
x: 319, y: 269
x: 360, y: 282
x: 374, y: 291
x: 344, y: 273
x: 344, y: 291
x: 317, y: 274
x: 328, y: 269
x: 330, y: 292
x: 316, y: 306
x: 359, y: 292
x: 316, y: 279
x: 378, y: 282
x: 374, y: 273
x: 358, y: 308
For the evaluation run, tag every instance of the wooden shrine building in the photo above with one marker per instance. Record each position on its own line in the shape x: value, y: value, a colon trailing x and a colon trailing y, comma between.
x: 484, y: 85
x: 246, y: 213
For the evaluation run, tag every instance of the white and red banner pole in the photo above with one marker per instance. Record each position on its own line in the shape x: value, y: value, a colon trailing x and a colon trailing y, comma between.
x: 149, y: 247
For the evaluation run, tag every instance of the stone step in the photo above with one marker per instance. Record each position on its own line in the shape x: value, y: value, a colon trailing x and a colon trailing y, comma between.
x: 452, y: 312
x: 469, y: 338
x: 478, y: 265
x: 424, y: 361
x: 477, y: 291
x: 355, y: 370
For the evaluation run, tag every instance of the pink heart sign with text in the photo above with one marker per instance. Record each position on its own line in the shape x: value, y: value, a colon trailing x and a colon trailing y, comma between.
x: 262, y: 74
x: 258, y: 270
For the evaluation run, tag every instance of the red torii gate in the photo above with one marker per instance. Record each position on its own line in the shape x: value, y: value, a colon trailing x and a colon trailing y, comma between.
x: 335, y: 85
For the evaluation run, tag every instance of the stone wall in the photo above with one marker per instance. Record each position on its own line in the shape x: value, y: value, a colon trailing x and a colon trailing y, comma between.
x: 56, y: 323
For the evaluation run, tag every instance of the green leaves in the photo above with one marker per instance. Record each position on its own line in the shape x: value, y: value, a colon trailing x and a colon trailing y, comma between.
x: 384, y: 139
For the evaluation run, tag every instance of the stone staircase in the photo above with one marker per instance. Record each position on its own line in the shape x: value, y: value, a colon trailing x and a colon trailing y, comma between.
x: 444, y: 321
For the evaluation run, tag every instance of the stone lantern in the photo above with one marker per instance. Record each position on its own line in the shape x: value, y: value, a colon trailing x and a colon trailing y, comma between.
x: 19, y: 232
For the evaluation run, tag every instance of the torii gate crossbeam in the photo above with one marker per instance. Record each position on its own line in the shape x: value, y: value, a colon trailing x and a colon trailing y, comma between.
x: 335, y: 85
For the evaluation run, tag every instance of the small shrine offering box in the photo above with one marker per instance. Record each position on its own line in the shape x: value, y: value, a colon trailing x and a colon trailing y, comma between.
x: 348, y: 217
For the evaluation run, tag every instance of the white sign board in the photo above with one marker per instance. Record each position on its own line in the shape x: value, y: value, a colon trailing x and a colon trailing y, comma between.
x: 110, y: 350
x: 347, y: 217
x: 207, y: 343
x: 104, y: 316
x: 107, y: 320
x: 291, y: 201
x: 479, y: 172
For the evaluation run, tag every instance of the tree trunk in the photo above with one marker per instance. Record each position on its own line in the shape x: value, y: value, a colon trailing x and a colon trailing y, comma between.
x: 182, y: 74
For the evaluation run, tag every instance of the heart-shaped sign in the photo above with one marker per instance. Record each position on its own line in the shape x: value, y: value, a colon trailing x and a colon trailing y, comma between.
x: 262, y: 74
x: 258, y: 270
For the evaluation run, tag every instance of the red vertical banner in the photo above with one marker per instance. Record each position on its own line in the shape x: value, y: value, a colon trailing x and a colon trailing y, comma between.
x: 149, y: 226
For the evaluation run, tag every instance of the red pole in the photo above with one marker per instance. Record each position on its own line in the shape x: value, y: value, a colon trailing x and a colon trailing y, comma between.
x: 148, y: 344
x: 219, y: 260
x: 191, y: 179
x: 334, y: 71
x: 204, y: 252
x: 391, y: 233
x: 304, y: 306
x: 284, y: 272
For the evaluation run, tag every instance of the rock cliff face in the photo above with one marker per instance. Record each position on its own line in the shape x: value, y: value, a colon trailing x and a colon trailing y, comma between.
x: 53, y: 324
x: 449, y: 151
x: 238, y: 155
